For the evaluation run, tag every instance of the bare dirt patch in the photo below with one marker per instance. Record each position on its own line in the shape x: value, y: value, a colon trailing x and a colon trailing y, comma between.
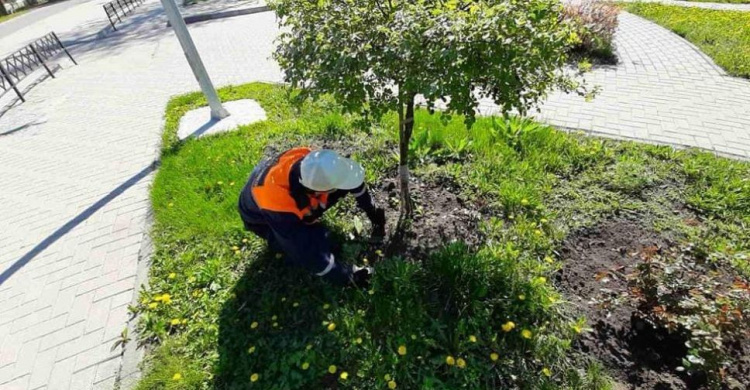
x: 597, y: 261
x: 598, y: 277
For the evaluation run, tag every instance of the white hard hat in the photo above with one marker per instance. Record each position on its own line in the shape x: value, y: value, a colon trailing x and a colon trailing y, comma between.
x: 324, y: 170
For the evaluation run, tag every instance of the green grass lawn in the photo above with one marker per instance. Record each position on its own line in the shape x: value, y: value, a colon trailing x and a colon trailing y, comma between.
x: 721, y: 1
x: 222, y: 312
x: 723, y: 35
x: 4, y: 18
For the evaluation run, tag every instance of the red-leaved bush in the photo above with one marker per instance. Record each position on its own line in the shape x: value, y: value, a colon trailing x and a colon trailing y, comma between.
x: 595, y: 23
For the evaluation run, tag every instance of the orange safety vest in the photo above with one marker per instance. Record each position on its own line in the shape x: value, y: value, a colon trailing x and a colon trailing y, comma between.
x: 273, y: 192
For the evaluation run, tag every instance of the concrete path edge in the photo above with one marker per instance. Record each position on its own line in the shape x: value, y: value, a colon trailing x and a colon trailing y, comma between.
x: 224, y: 14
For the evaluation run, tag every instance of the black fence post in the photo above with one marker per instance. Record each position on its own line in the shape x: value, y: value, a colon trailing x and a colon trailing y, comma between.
x: 63, y: 47
x: 12, y: 84
x: 109, y: 16
x: 41, y: 60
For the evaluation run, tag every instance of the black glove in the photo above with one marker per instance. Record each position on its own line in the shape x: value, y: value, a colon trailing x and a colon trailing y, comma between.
x: 361, y: 276
x: 377, y: 218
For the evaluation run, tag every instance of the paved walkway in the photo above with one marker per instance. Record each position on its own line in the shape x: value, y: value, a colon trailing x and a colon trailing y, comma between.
x: 664, y: 90
x: 696, y: 4
x: 35, y: 15
x: 75, y: 165
x: 75, y: 168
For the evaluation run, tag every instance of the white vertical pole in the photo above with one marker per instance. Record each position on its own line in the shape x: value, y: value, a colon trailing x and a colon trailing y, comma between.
x: 194, y: 59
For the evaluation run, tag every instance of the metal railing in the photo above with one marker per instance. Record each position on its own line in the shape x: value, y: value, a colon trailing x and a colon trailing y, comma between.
x: 24, y: 61
x: 118, y: 9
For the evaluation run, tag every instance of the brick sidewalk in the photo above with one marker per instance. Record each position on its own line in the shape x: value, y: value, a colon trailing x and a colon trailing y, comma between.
x: 696, y: 4
x: 664, y: 90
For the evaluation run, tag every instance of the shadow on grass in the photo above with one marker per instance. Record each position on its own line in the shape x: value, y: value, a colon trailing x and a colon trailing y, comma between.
x: 274, y: 309
x: 277, y: 324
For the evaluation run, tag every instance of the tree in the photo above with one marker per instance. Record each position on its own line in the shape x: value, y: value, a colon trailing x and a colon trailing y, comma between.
x: 376, y: 56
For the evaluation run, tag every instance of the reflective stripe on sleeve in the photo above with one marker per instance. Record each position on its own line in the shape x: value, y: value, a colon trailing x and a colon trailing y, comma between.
x: 360, y: 193
x: 329, y: 267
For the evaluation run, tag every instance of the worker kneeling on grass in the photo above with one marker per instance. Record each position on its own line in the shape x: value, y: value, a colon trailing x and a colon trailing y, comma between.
x: 285, y: 197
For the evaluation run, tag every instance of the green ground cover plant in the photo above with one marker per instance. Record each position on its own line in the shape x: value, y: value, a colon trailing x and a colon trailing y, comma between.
x: 222, y: 312
x: 722, y: 35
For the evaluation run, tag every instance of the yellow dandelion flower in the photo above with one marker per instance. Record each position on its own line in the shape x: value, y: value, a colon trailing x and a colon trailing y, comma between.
x: 527, y: 334
x: 305, y: 366
x: 308, y: 347
x: 326, y: 306
x: 170, y: 204
x: 521, y: 297
x: 543, y: 220
x: 231, y: 183
x: 402, y: 350
x: 538, y: 232
x: 358, y: 340
x: 365, y: 261
x: 251, y: 349
x: 219, y: 182
x: 379, y: 253
x: 191, y: 279
x: 244, y: 240
x: 508, y: 326
x: 541, y: 280
x: 461, y: 363
x: 274, y: 318
x: 549, y: 259
x: 184, y: 321
x: 473, y: 338
x: 235, y: 247
x: 237, y: 252
x: 175, y: 321
x: 177, y: 376
x: 524, y: 202
x: 166, y: 298
x: 546, y: 371
x: 172, y: 275
x: 153, y: 305
x: 577, y: 328
x: 371, y: 292
x: 387, y: 377
x: 332, y: 369
x: 275, y: 324
x: 449, y: 360
x: 344, y: 375
x: 254, y: 325
x: 254, y: 377
x: 331, y: 327
x: 391, y: 384
x: 494, y: 356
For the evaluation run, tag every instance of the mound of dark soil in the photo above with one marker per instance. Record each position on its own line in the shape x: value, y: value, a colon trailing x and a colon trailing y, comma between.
x: 442, y: 216
x: 595, y: 279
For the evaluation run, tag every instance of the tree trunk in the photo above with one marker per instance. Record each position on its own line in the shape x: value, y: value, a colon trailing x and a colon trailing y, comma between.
x: 405, y: 127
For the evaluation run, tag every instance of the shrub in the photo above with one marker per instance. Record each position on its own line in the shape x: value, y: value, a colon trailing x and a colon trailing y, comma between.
x: 595, y: 23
